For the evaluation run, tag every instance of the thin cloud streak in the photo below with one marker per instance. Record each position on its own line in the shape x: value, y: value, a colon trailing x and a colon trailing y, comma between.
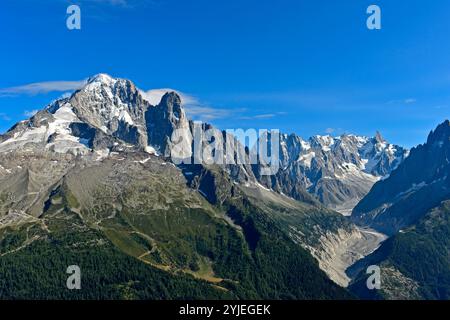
x: 120, y: 3
x: 404, y: 101
x: 263, y: 116
x: 30, y: 113
x: 4, y: 117
x: 42, y: 88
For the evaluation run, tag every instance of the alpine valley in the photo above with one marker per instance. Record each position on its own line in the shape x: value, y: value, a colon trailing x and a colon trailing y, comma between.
x: 88, y: 181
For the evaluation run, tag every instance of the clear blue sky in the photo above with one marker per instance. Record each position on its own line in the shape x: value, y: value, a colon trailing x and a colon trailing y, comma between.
x: 307, y: 67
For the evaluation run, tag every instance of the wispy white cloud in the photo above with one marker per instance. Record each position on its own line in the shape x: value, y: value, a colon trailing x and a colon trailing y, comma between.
x: 197, y: 110
x: 403, y: 101
x: 30, y: 113
x: 335, y: 131
x: 154, y: 96
x: 65, y: 95
x: 42, y: 88
x: 262, y: 116
x: 120, y: 3
x: 113, y: 2
x: 205, y: 113
x: 4, y: 117
x: 109, y: 2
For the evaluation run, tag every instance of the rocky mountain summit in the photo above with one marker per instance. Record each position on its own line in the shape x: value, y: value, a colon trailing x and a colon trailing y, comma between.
x: 104, y: 115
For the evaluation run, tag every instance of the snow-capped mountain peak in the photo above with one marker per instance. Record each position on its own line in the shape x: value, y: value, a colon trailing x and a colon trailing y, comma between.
x: 338, y: 170
x: 107, y: 114
x: 98, y: 116
x: 102, y: 78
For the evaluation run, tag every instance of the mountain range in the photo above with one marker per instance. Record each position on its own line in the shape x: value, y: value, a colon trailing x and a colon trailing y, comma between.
x: 89, y: 181
x: 336, y: 171
x: 413, y: 206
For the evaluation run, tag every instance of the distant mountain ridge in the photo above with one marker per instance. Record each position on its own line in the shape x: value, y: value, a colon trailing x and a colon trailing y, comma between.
x: 419, y: 184
x: 338, y: 171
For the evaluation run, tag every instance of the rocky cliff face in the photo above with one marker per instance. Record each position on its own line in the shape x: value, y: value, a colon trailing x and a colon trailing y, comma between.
x: 168, y: 116
x: 114, y: 106
x: 420, y: 183
x: 103, y: 115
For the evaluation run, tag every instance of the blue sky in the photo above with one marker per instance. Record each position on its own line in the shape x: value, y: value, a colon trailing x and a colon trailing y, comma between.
x: 308, y: 67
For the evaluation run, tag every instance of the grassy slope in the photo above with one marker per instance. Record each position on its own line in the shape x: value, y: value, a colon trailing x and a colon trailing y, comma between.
x: 39, y: 270
x: 288, y: 271
x: 137, y: 232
